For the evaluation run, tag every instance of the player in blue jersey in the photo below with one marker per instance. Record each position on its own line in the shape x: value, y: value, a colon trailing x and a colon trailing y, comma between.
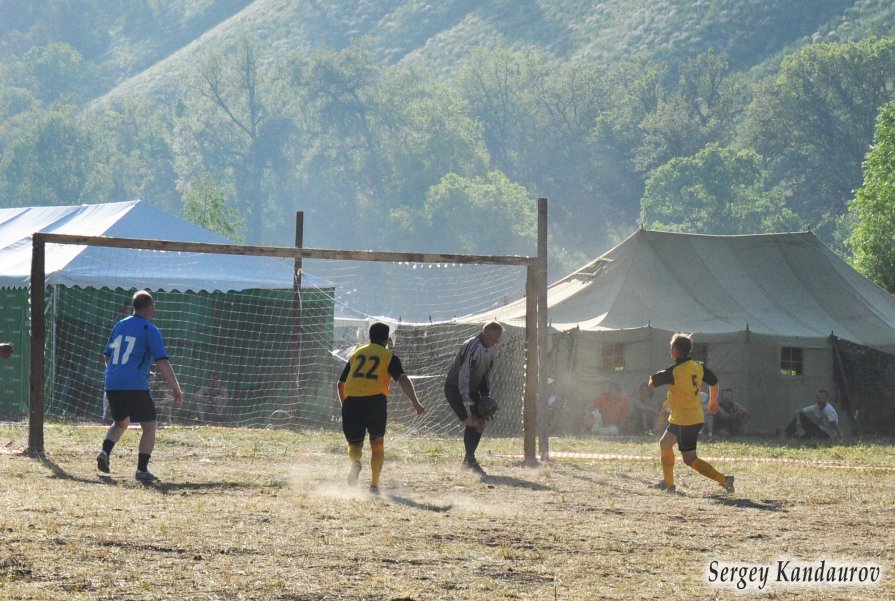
x: 134, y: 344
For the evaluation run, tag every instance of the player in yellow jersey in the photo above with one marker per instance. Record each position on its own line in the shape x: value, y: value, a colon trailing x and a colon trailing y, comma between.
x: 684, y: 380
x: 363, y: 391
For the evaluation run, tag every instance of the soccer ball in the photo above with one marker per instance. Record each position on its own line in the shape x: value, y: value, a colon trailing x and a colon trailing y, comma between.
x: 487, y: 407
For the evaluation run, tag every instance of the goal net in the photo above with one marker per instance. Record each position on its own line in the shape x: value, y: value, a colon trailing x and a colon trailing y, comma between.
x: 252, y: 351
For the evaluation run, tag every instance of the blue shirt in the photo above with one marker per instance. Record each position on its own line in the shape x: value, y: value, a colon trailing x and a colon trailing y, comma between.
x: 134, y: 344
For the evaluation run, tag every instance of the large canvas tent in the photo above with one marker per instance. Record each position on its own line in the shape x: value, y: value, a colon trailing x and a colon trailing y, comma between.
x: 89, y: 284
x: 766, y: 310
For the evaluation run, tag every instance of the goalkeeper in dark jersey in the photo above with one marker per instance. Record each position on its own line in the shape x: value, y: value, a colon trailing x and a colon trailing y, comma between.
x: 684, y: 379
x: 467, y: 384
x: 363, y: 391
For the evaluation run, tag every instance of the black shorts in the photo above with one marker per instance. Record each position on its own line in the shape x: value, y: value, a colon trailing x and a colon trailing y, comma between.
x: 137, y: 405
x: 362, y: 414
x: 686, y: 436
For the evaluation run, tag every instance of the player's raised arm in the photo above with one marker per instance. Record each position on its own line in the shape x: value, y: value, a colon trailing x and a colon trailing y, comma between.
x: 661, y: 378
x: 407, y: 386
x: 340, y: 385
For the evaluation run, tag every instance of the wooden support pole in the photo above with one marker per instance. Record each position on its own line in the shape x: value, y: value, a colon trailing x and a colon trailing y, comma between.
x: 38, y: 344
x: 297, y: 308
x: 530, y: 402
x: 542, y: 329
x: 290, y: 251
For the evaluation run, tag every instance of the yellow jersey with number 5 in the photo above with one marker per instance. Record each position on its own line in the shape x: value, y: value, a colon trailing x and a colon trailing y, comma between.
x: 367, y: 372
x: 684, y: 380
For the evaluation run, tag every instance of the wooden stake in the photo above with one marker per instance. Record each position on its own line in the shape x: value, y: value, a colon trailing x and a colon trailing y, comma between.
x: 38, y: 342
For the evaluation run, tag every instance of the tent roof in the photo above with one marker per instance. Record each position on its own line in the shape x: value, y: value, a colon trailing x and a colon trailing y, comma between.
x: 786, y: 285
x: 96, y: 267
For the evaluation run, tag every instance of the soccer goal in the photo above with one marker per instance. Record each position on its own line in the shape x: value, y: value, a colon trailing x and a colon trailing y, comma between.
x: 258, y: 335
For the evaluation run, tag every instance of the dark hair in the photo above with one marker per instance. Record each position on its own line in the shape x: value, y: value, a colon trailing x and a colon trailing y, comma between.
x: 141, y: 300
x: 379, y: 332
x: 683, y: 343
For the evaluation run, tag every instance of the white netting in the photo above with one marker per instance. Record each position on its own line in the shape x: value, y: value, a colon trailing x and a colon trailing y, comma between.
x: 261, y: 357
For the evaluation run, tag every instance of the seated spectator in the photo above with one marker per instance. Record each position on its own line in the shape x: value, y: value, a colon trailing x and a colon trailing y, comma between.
x: 613, y: 407
x: 730, y: 418
x: 647, y: 409
x: 161, y: 395
x: 212, y: 400
x: 555, y: 406
x: 816, y: 421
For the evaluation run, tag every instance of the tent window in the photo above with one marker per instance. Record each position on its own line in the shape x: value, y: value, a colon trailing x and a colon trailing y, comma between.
x: 791, y: 361
x: 700, y: 352
x: 614, y: 356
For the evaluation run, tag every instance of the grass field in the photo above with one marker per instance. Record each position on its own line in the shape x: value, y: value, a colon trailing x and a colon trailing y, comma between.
x: 246, y: 514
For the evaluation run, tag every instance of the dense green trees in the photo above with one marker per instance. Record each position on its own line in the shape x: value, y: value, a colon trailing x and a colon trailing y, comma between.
x: 814, y: 122
x: 716, y: 191
x: 52, y: 160
x: 873, y: 209
x: 205, y: 204
x: 396, y: 156
x: 52, y: 73
x: 237, y: 129
x: 485, y: 212
x: 137, y: 150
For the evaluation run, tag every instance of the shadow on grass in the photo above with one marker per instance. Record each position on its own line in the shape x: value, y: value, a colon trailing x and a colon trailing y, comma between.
x: 60, y: 473
x: 187, y: 487
x: 765, y: 505
x: 576, y: 472
x: 434, y: 507
x: 162, y: 487
x: 513, y: 482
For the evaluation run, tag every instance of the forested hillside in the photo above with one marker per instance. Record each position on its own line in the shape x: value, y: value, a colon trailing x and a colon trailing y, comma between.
x: 402, y: 124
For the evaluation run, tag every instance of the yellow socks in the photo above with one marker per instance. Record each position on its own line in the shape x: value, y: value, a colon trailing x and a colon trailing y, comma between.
x: 668, y: 466
x: 707, y: 470
x: 355, y: 451
x: 376, y: 460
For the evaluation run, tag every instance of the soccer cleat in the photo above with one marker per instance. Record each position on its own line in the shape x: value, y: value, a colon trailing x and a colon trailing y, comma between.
x: 665, y: 487
x: 374, y: 490
x: 145, y: 476
x: 728, y: 484
x: 472, y: 465
x: 102, y: 462
x: 353, y: 473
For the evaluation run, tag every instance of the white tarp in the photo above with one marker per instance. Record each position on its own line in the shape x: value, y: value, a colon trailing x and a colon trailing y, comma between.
x: 784, y: 285
x: 96, y: 267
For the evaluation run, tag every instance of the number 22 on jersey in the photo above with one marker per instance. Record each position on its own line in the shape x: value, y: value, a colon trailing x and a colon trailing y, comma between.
x: 371, y: 373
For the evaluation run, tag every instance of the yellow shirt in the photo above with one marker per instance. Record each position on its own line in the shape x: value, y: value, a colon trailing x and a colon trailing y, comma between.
x: 370, y: 370
x: 684, y: 380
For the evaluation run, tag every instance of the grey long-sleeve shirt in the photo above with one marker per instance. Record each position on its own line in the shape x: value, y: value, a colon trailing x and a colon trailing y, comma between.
x: 470, y: 368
